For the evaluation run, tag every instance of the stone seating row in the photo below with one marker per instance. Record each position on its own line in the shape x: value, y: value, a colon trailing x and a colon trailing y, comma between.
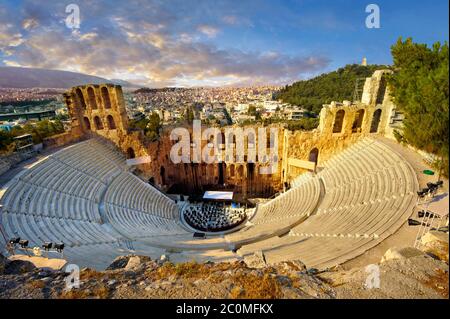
x: 128, y: 191
x: 362, y: 205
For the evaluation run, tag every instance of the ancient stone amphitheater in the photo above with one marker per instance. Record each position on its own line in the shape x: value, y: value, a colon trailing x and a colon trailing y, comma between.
x: 87, y: 197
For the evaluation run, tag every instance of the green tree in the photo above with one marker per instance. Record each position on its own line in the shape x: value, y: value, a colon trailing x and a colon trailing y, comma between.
x: 153, y: 126
x: 419, y: 87
x: 251, y: 110
x: 338, y: 85
x: 189, y: 114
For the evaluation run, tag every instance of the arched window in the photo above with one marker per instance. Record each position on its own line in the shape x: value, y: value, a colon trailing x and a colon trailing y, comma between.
x: 111, y: 123
x: 130, y: 153
x: 251, y: 140
x: 232, y: 170
x: 91, y: 96
x: 338, y: 121
x: 87, y: 123
x: 314, y: 155
x: 356, y: 127
x: 80, y: 98
x: 98, y: 123
x: 240, y: 171
x: 250, y: 169
x: 381, y: 90
x: 105, y: 97
x: 375, y: 121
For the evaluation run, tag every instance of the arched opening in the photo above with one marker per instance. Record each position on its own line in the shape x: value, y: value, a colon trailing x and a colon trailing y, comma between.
x: 375, y: 121
x: 111, y: 123
x: 221, y: 166
x: 130, y: 153
x: 250, y: 170
x: 80, y: 98
x: 338, y: 121
x: 240, y: 171
x: 98, y: 123
x: 251, y: 140
x: 357, y: 123
x: 87, y: 123
x: 314, y: 155
x: 105, y: 97
x: 381, y: 90
x: 91, y: 96
x: 162, y: 173
x: 232, y: 170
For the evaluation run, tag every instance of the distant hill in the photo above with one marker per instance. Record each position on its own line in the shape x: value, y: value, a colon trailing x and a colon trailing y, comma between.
x: 334, y: 86
x: 17, y: 77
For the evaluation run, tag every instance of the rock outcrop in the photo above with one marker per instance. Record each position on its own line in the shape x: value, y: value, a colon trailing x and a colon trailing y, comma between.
x: 403, y: 273
x: 435, y: 243
x: 401, y: 253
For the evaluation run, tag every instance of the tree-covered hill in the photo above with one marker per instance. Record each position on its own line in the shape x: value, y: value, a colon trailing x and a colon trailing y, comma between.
x: 334, y: 86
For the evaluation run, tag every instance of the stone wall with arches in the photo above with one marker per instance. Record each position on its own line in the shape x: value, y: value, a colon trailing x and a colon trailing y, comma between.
x: 342, y: 124
x: 100, y: 110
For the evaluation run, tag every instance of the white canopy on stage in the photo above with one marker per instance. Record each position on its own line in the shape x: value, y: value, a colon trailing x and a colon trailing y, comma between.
x: 218, y: 195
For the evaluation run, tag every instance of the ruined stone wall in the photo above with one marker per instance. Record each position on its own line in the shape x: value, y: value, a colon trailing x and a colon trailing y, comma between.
x: 239, y: 175
x: 342, y: 124
x: 100, y: 110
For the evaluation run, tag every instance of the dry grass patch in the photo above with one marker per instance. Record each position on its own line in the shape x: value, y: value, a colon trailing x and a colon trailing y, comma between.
x: 36, y: 284
x: 249, y: 286
x: 188, y: 270
x: 98, y: 292
x: 439, y: 282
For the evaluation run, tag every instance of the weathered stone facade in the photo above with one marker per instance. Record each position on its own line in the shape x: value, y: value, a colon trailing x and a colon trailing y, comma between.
x: 100, y: 110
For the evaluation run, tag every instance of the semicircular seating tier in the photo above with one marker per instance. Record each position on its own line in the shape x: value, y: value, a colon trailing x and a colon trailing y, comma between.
x: 83, y: 196
x: 370, y: 192
x: 280, y: 214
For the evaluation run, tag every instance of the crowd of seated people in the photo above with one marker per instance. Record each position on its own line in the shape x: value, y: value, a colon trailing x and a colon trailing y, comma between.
x: 214, y: 217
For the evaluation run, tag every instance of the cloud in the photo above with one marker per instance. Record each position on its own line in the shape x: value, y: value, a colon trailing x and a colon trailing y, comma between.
x: 232, y: 20
x: 152, y: 43
x: 208, y: 30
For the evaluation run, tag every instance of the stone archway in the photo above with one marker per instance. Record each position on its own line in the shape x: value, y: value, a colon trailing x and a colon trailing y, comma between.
x: 130, y: 153
x: 87, y: 123
x: 338, y: 121
x: 375, y: 121
x: 105, y: 97
x: 80, y: 98
x: 91, y: 96
x: 98, y: 123
x: 111, y: 123
x: 357, y: 123
x: 314, y: 155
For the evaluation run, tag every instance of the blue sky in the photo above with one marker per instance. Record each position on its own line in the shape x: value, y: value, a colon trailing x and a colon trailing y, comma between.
x: 206, y: 42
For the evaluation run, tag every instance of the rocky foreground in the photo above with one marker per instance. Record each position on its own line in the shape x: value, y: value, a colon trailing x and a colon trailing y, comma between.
x: 402, y: 273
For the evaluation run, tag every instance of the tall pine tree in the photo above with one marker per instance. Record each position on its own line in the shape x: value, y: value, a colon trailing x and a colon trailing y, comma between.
x: 420, y: 89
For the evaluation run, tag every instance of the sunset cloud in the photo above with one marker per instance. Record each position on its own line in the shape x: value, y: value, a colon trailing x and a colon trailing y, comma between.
x: 142, y: 42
